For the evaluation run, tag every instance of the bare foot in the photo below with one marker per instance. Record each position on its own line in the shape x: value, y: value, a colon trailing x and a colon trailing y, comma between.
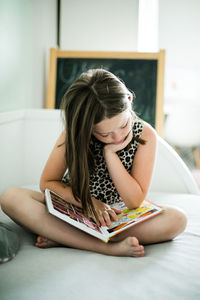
x: 43, y: 242
x: 128, y: 247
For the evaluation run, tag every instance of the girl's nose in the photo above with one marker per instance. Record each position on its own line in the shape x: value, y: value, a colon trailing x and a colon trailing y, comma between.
x: 117, y: 138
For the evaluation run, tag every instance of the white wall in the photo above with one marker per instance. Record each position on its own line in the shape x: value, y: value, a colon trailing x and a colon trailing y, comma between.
x: 113, y: 26
x: 179, y: 34
x: 99, y: 25
x: 148, y: 26
x: 27, y: 31
x: 179, y: 28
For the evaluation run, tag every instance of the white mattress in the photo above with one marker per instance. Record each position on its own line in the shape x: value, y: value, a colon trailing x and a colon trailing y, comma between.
x: 168, y: 270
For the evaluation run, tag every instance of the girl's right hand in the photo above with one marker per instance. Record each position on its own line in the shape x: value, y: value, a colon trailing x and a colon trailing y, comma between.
x: 117, y: 147
x: 105, y: 213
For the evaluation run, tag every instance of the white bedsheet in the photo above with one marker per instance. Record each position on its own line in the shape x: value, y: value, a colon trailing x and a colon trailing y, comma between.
x: 167, y: 271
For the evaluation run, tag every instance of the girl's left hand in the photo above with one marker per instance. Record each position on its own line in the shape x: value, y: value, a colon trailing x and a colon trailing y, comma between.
x: 118, y: 147
x: 105, y: 213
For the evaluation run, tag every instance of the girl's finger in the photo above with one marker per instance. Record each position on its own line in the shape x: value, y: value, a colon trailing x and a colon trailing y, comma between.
x: 113, y: 214
x: 107, y: 217
x: 102, y: 220
x: 117, y: 210
x: 97, y: 222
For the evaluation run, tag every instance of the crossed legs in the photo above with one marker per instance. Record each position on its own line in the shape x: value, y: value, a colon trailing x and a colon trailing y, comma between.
x: 27, y: 208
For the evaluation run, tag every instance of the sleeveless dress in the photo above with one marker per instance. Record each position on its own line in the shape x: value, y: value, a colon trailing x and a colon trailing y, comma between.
x: 101, y: 185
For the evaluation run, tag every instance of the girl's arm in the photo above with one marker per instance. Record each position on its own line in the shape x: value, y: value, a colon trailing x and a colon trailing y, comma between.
x: 54, y: 170
x: 51, y: 178
x: 133, y: 187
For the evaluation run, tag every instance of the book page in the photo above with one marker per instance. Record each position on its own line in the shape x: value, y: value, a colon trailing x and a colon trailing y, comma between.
x: 74, y: 216
x: 69, y: 212
x: 132, y: 217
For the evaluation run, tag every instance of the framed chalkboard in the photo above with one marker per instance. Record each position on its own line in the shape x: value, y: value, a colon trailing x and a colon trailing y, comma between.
x: 143, y: 73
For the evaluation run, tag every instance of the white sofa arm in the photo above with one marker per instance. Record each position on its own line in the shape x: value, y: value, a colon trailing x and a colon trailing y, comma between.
x: 27, y: 138
x: 170, y: 173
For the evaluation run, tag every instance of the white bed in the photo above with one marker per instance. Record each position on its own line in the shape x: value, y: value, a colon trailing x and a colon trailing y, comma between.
x: 167, y: 271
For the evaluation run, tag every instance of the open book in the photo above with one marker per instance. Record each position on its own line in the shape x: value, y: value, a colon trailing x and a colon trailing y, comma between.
x: 74, y: 216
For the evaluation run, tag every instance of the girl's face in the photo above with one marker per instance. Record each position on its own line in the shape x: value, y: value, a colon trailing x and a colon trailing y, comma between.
x: 114, y: 130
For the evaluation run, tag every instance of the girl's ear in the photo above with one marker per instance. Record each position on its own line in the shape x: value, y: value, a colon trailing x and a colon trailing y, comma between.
x: 130, y: 98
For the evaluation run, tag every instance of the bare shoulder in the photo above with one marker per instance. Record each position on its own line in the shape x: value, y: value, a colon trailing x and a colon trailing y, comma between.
x: 61, y: 139
x: 148, y: 133
x: 144, y: 158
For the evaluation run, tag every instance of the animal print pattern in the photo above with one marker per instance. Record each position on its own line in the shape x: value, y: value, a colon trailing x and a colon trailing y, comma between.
x: 101, y: 185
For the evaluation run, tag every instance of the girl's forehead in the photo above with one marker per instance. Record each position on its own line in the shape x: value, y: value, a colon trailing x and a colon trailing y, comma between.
x: 111, y: 124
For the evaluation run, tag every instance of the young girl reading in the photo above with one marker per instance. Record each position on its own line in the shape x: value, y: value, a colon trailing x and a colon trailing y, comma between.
x: 104, y: 155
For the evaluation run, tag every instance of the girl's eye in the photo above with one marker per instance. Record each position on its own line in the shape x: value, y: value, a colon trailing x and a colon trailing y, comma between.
x: 125, y: 125
x: 104, y: 135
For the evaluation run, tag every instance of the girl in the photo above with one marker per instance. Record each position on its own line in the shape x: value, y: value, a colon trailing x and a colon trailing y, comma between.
x: 108, y: 153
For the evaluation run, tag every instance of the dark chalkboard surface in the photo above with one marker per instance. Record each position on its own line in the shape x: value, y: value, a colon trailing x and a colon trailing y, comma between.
x: 139, y: 71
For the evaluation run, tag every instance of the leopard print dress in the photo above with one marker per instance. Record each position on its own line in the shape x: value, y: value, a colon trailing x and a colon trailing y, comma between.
x: 101, y: 185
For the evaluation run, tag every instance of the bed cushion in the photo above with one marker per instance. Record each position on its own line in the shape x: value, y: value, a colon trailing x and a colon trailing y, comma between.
x: 168, y: 270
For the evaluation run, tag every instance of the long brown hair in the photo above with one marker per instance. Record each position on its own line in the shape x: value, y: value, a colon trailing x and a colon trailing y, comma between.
x: 94, y: 96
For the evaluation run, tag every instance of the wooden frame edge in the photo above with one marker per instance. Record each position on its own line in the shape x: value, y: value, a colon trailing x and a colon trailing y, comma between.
x: 159, y: 118
x: 159, y: 56
x: 107, y: 54
x: 51, y: 89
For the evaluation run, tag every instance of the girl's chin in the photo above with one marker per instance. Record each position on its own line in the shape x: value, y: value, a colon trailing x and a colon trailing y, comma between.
x: 118, y: 143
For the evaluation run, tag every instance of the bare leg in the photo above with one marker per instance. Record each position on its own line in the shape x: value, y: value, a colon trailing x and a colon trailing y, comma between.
x: 161, y: 228
x: 28, y: 209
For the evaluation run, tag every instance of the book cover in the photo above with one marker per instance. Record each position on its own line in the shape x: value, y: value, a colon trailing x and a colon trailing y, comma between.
x: 74, y: 216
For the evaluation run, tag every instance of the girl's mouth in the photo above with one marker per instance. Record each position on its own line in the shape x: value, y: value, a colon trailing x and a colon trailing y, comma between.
x: 122, y: 141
